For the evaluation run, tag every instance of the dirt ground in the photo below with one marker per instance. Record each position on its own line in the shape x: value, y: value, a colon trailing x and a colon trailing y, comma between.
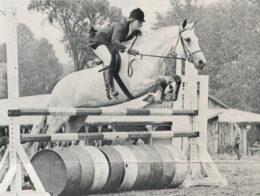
x: 243, y: 180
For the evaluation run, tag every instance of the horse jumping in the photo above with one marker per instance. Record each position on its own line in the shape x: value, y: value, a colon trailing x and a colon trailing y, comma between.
x: 86, y: 89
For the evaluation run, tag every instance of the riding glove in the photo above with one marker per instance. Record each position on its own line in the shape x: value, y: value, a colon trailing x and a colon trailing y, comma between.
x: 133, y: 52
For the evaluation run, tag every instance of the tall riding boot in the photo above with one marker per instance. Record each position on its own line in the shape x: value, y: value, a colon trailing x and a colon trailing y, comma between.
x: 113, y: 92
x: 107, y: 85
x: 110, y: 91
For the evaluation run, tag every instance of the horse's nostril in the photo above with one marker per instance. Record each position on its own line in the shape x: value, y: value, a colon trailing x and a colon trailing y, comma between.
x: 201, y: 62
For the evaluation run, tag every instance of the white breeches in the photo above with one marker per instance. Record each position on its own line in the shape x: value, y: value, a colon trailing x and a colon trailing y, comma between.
x: 103, y: 53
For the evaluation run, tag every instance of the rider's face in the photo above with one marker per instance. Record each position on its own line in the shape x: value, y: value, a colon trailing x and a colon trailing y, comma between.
x: 136, y: 25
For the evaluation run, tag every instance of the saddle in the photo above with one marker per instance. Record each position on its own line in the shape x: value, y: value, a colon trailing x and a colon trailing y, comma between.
x: 115, y: 64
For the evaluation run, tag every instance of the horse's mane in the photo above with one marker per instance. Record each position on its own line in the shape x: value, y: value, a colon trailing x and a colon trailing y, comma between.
x: 161, y: 31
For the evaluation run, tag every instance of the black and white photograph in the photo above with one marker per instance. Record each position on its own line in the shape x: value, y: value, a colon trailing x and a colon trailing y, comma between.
x: 129, y: 97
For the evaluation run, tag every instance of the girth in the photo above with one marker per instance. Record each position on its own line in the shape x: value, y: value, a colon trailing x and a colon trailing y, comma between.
x: 116, y: 61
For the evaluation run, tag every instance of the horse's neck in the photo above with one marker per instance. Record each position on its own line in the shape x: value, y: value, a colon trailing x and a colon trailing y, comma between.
x: 156, y: 43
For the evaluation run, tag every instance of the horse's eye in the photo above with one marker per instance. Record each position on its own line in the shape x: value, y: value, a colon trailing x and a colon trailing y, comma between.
x: 187, y: 40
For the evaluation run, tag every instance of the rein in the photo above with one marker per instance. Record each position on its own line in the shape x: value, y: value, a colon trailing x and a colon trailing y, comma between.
x: 130, y: 69
x: 187, y: 53
x: 165, y: 57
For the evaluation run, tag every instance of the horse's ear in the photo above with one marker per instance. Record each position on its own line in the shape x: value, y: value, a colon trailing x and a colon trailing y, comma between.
x: 193, y: 24
x: 184, y: 24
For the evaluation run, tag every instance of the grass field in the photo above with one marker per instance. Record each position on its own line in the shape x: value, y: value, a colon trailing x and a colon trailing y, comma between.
x: 243, y: 180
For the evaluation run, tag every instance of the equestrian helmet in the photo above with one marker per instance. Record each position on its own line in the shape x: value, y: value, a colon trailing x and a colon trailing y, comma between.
x: 137, y: 14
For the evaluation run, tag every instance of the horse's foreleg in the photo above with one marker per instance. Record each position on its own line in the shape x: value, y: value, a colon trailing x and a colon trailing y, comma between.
x: 156, y: 90
x: 75, y: 123
x: 145, y: 84
x: 55, y: 123
x: 166, y: 88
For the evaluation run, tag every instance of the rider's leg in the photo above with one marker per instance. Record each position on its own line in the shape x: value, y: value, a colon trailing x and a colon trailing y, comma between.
x: 109, y: 82
x: 103, y: 53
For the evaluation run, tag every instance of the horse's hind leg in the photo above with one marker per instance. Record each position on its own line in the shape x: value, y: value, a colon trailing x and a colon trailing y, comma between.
x: 55, y: 123
x: 74, y: 124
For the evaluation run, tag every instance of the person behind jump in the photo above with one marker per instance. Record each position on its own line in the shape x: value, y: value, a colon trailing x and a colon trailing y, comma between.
x: 237, y: 140
x: 106, y: 42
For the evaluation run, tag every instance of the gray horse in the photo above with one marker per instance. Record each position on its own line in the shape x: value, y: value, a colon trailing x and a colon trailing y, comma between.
x: 86, y: 88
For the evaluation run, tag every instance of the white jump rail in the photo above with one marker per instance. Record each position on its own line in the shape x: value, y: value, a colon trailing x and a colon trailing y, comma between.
x: 105, y: 136
x: 99, y: 112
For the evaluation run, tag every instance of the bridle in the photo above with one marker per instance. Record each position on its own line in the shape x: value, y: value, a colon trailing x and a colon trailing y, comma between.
x: 187, y: 53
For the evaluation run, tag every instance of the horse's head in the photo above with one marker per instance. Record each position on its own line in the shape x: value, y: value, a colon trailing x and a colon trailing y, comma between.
x: 190, y: 45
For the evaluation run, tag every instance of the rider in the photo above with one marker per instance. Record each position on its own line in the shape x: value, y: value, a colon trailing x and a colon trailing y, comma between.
x: 107, y: 42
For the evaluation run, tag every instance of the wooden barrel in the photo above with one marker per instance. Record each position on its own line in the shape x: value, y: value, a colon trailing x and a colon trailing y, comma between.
x: 130, y: 164
x: 155, y: 162
x: 58, y: 170
x: 101, y: 168
x: 168, y: 163
x: 181, y: 166
x: 143, y: 166
x: 87, y: 169
x: 116, y: 168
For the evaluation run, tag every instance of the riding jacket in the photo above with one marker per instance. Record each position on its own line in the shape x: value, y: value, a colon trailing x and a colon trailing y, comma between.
x: 112, y: 36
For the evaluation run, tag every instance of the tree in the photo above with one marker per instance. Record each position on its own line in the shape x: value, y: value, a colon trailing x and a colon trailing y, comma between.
x: 3, y: 80
x: 3, y: 73
x: 178, y: 11
x: 3, y: 53
x: 239, y: 73
x: 39, y: 68
x: 74, y: 18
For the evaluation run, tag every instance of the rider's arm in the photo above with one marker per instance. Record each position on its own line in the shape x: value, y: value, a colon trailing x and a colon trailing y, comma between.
x: 117, y: 32
x: 116, y: 35
x: 135, y: 33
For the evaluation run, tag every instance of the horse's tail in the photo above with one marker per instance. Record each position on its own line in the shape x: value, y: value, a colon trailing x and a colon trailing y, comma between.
x: 29, y: 147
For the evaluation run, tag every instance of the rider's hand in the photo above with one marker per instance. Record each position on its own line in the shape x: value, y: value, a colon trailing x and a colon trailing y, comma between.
x: 133, y: 52
x: 137, y: 33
